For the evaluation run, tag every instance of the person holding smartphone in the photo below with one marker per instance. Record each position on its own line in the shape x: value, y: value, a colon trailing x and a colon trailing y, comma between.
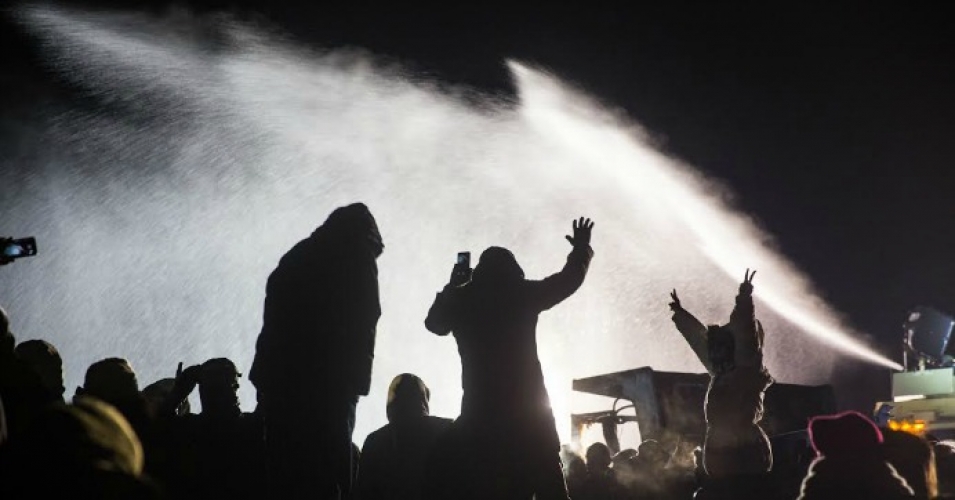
x: 505, y: 439
x: 11, y: 249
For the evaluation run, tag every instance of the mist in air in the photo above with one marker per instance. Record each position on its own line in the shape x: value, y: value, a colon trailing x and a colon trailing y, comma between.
x: 163, y: 198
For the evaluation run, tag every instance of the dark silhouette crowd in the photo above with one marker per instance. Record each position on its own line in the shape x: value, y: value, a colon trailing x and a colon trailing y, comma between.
x: 313, y: 361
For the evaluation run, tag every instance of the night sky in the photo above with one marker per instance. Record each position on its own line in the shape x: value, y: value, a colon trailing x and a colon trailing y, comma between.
x: 832, y: 125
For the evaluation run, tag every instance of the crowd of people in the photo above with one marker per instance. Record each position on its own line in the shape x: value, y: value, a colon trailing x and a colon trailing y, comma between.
x: 314, y: 359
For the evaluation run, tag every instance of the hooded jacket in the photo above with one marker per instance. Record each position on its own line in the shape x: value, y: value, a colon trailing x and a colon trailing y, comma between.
x: 83, y: 450
x: 321, y: 311
x: 494, y: 320
x: 394, y: 458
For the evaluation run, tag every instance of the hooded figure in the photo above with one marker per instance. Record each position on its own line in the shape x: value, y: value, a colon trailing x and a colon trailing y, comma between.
x: 914, y: 459
x: 46, y: 362
x: 218, y: 389
x: 114, y: 381
x: 219, y: 452
x: 31, y: 377
x: 735, y: 444
x: 321, y: 311
x: 849, y: 461
x: 86, y: 450
x: 314, y: 354
x: 506, y: 426
x: 602, y: 481
x: 394, y: 457
x: 650, y: 477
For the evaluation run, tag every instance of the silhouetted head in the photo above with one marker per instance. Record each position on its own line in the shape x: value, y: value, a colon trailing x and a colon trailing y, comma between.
x: 598, y: 458
x: 45, y: 362
x: 497, y: 265
x: 651, y: 451
x: 87, y: 435
x: 846, y: 434
x: 721, y: 347
x: 944, y: 449
x: 945, y: 464
x: 624, y: 460
x: 218, y: 388
x: 112, y: 380
x: 914, y: 459
x: 157, y: 392
x: 408, y: 398
x: 574, y: 467
x: 353, y: 224
x: 84, y: 450
x: 625, y: 454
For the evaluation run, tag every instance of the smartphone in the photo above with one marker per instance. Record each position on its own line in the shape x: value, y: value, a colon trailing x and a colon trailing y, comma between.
x: 464, y: 259
x: 23, y: 247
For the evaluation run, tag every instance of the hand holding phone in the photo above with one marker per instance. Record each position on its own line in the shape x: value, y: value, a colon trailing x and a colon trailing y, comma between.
x: 461, y: 273
x: 12, y: 249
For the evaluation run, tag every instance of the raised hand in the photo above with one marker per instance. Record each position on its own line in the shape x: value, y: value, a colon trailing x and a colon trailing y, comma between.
x: 746, y: 287
x: 188, y: 379
x: 460, y: 275
x: 582, y: 229
x: 676, y: 301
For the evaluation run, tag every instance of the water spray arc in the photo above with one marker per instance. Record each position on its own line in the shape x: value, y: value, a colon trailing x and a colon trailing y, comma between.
x: 729, y: 240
